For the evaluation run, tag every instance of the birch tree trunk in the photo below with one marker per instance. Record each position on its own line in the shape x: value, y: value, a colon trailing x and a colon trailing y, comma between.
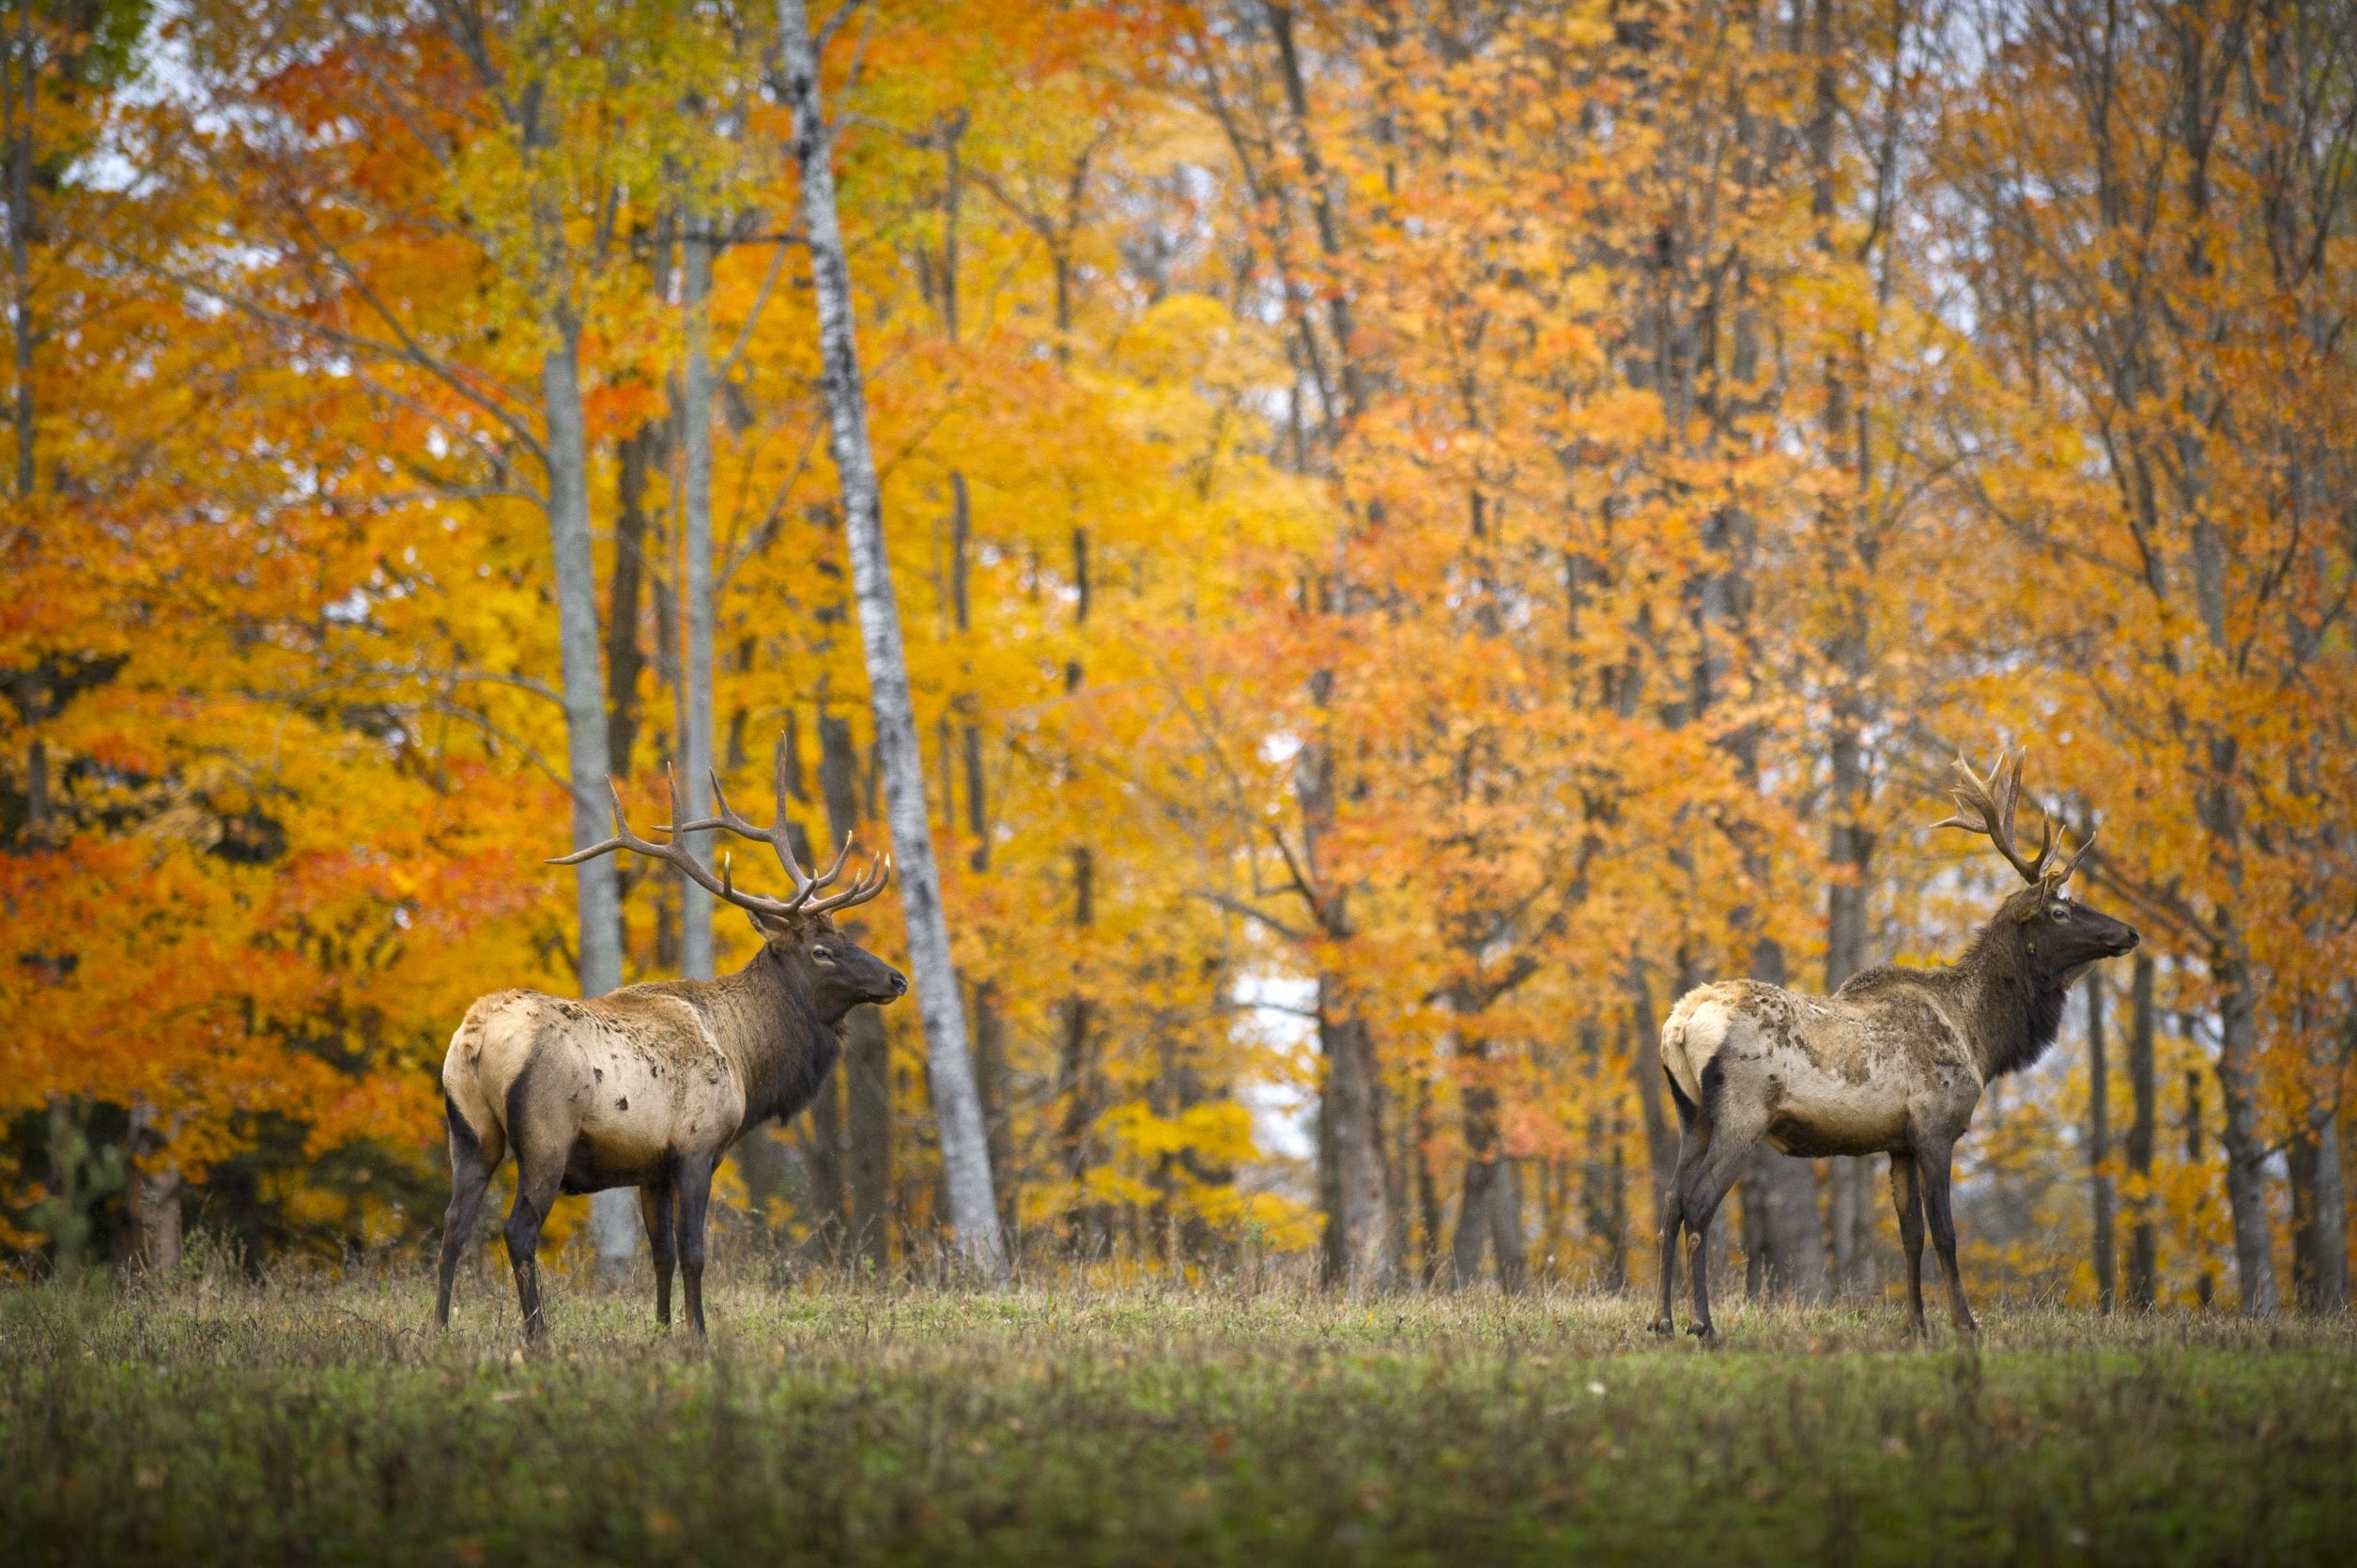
x: 151, y: 1195
x: 597, y: 888
x: 695, y: 702
x: 957, y: 1107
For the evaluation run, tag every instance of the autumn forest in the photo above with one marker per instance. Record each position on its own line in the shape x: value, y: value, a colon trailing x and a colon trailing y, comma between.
x: 1420, y: 531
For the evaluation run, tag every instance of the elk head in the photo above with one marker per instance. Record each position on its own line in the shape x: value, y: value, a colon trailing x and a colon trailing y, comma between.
x: 2063, y: 935
x: 799, y: 930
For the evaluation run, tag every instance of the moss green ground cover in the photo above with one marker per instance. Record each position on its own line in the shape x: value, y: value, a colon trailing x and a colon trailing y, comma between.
x: 837, y: 1423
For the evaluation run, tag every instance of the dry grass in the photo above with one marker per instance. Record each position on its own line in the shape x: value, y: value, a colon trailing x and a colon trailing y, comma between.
x: 304, y: 1420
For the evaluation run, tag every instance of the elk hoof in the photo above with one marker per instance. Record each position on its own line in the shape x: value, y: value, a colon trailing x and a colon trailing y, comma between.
x: 1661, y: 1326
x: 1705, y: 1332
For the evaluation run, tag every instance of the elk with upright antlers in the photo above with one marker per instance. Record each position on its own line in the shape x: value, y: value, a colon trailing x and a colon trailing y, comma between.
x: 1894, y: 1062
x: 648, y: 1086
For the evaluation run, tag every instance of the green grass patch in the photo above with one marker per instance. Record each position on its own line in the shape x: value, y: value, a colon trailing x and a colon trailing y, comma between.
x: 830, y: 1422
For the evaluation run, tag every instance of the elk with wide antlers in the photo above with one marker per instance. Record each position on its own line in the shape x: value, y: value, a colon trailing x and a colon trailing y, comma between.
x: 648, y: 1086
x: 1894, y: 1062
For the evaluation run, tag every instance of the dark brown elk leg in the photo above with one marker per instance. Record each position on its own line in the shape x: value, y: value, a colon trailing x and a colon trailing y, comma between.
x: 694, y: 1186
x: 1907, y: 1198
x: 1694, y: 1134
x: 655, y: 1207
x: 1705, y: 1189
x: 539, y: 1175
x: 1672, y: 1220
x: 471, y: 1168
x: 1932, y: 1165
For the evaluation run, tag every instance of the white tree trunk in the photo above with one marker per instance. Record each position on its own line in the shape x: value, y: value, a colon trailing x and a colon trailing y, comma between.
x: 151, y: 1196
x: 695, y: 430
x: 957, y: 1107
x: 597, y: 888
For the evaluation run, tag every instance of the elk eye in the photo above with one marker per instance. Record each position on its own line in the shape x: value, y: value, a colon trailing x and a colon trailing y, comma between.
x: 823, y: 955
x: 2062, y: 911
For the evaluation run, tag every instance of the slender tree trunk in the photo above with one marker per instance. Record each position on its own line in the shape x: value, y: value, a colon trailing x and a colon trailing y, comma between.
x: 2205, y: 1287
x: 822, y: 1157
x: 977, y: 819
x: 867, y: 1073
x: 38, y: 826
x: 2144, y: 1265
x: 1506, y: 1226
x: 2246, y: 1149
x: 2329, y: 1282
x: 152, y: 1198
x: 2320, y: 1205
x: 1491, y: 1211
x: 695, y: 692
x: 635, y: 456
x: 597, y: 889
x: 957, y: 1107
x: 2098, y: 1136
x: 1085, y: 1230
x: 19, y: 82
x: 1427, y: 1186
x: 1850, y: 1178
x: 867, y: 1118
x: 1602, y: 1203
x: 2320, y: 1246
x: 1351, y: 1185
x: 1476, y: 1221
x: 1091, y: 1224
x: 977, y: 804
x: 1644, y: 1060
x: 992, y: 1073
x: 760, y: 1162
x: 1358, y: 1223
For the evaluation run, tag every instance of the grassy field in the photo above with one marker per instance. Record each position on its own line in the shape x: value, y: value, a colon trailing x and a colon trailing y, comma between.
x: 307, y: 1422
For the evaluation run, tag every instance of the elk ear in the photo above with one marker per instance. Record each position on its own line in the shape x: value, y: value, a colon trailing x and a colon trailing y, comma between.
x: 767, y: 925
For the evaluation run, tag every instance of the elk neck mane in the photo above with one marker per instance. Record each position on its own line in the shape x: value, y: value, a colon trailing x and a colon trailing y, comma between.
x: 766, y: 1017
x: 2011, y: 1004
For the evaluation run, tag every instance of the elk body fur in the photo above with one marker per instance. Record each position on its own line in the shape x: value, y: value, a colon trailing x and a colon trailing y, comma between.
x: 649, y: 1086
x: 1894, y: 1062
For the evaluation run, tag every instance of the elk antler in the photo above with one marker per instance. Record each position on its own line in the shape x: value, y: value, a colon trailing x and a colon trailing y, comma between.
x: 779, y: 836
x: 1986, y: 806
x: 673, y: 852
